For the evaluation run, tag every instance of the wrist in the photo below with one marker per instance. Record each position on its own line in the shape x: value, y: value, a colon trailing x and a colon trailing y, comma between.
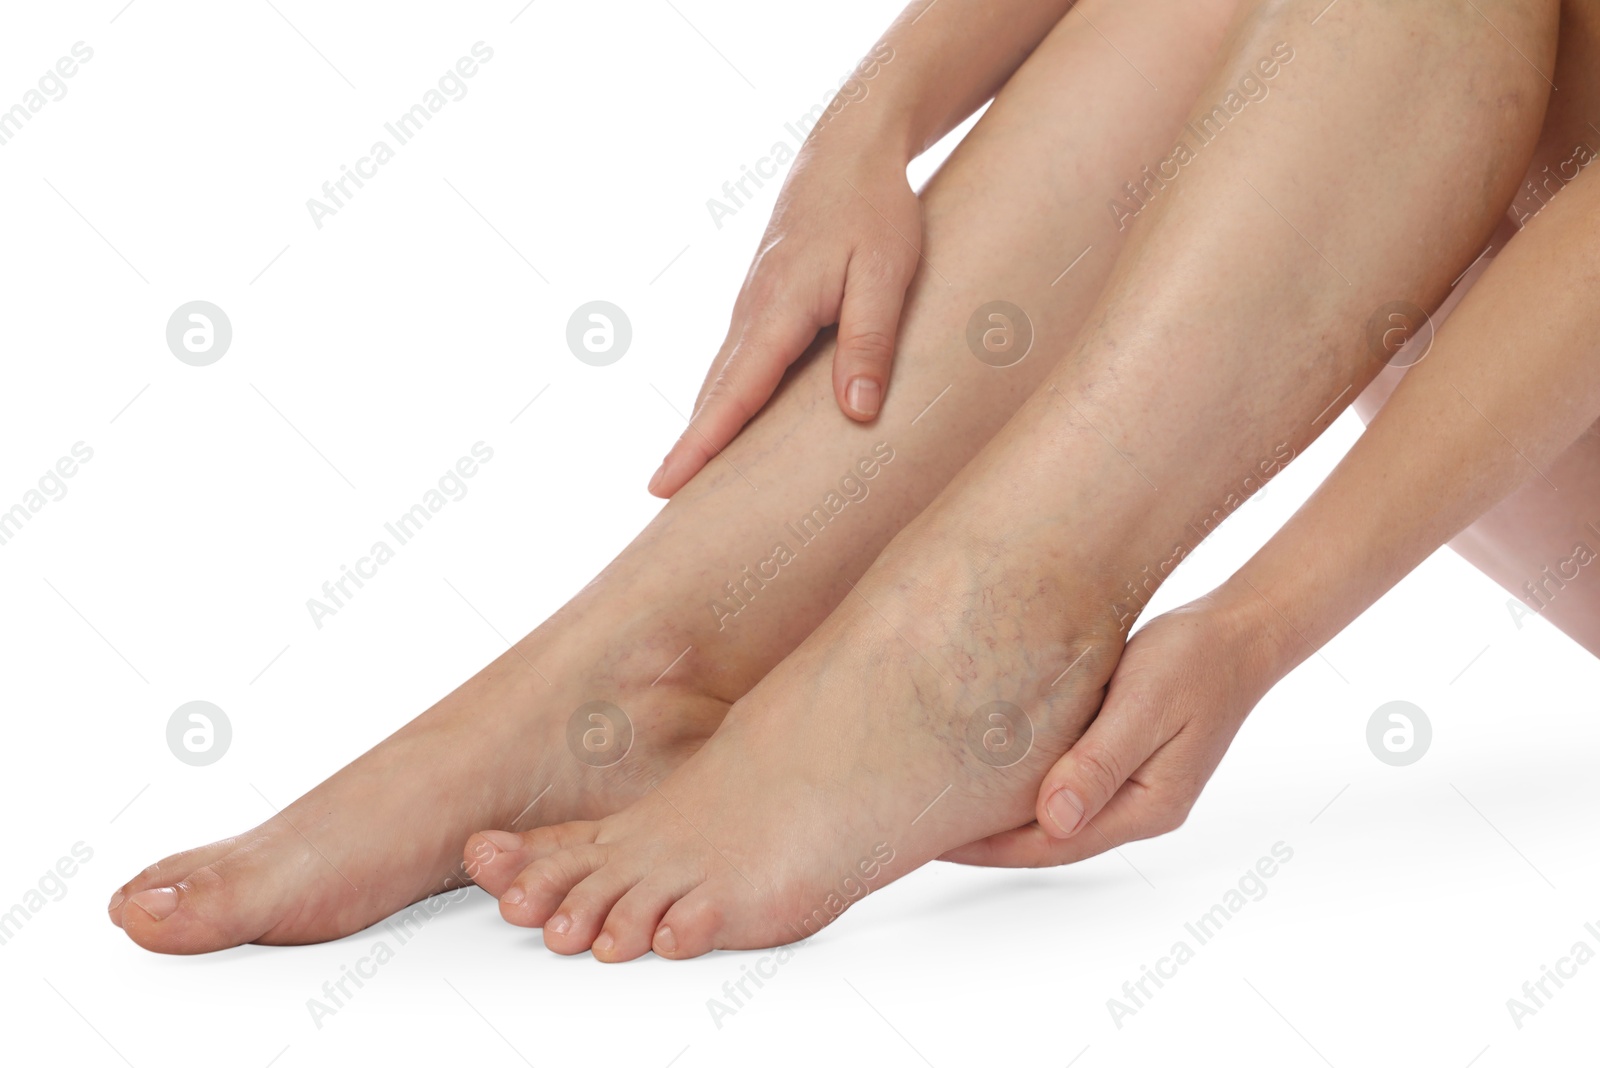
x: 867, y: 119
x: 871, y: 140
x: 1256, y: 624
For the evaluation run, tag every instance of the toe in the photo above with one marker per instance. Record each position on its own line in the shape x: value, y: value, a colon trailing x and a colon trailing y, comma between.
x: 532, y: 898
x: 631, y: 926
x: 493, y: 859
x: 228, y: 902
x: 580, y: 916
x: 167, y: 873
x: 693, y: 925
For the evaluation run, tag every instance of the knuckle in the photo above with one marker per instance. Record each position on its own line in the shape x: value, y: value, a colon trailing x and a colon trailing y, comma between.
x: 718, y: 407
x: 874, y: 347
x: 1099, y: 768
x: 206, y: 879
x: 544, y: 883
x: 895, y: 260
x: 1170, y: 814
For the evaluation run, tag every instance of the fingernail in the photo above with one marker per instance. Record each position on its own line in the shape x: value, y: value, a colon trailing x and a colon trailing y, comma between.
x: 559, y: 923
x: 159, y: 903
x: 655, y: 479
x: 513, y: 897
x: 1065, y: 810
x: 502, y: 841
x: 116, y: 901
x: 604, y: 943
x: 666, y: 943
x: 864, y: 396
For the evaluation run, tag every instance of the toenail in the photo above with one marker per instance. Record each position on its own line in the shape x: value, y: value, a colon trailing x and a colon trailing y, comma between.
x: 158, y: 903
x: 503, y: 841
x: 666, y: 942
x: 604, y: 943
x: 1065, y: 810
x: 559, y: 923
x: 513, y: 897
x: 116, y: 901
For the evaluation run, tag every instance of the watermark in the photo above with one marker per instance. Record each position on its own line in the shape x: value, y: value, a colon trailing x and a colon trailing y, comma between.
x: 1000, y: 334
x: 51, y: 87
x: 852, y: 88
x: 451, y: 86
x: 1538, y: 191
x: 855, y: 885
x: 51, y: 487
x: 50, y: 887
x: 398, y: 930
x: 1252, y: 88
x: 199, y: 333
x: 1541, y: 591
x: 199, y: 733
x: 739, y: 593
x: 1536, y: 993
x: 599, y: 734
x: 1400, y: 334
x: 1251, y: 886
x: 999, y: 733
x: 599, y: 333
x: 1399, y: 733
x: 736, y: 993
x: 1136, y: 592
x: 451, y: 486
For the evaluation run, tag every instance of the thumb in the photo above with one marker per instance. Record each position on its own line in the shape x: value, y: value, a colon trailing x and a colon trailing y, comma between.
x: 869, y: 320
x: 1121, y: 738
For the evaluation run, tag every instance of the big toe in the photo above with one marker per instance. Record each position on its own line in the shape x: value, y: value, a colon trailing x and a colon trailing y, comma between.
x: 165, y: 873
x: 227, y: 902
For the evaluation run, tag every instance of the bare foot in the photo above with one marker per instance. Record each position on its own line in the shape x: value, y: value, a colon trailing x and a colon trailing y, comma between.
x: 387, y: 830
x: 919, y: 717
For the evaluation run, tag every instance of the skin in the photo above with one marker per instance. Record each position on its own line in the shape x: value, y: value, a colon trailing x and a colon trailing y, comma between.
x: 1430, y: 464
x: 846, y: 234
x: 290, y: 880
x: 1017, y: 200
x: 1019, y: 582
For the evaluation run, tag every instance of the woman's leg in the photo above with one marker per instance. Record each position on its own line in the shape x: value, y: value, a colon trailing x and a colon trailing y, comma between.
x: 704, y: 603
x: 1542, y: 543
x: 922, y: 714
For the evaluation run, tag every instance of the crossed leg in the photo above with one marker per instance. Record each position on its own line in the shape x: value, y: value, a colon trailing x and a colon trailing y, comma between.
x: 700, y: 606
x: 921, y: 714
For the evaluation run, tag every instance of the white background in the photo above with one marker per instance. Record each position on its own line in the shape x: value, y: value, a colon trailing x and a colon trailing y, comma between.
x: 411, y: 326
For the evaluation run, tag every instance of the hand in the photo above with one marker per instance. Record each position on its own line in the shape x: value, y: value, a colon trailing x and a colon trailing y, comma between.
x: 842, y: 247
x: 1184, y: 685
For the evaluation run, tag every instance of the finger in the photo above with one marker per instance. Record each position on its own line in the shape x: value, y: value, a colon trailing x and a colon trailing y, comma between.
x: 1131, y: 815
x: 1127, y: 731
x: 869, y: 321
x: 739, y: 387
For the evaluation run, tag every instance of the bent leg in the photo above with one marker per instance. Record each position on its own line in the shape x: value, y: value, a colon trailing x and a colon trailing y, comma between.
x: 1539, y: 542
x: 922, y: 714
x: 703, y: 603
